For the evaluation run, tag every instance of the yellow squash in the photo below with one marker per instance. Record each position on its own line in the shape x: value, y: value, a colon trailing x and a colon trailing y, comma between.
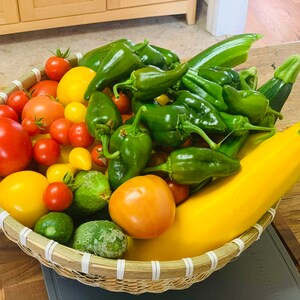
x: 228, y: 207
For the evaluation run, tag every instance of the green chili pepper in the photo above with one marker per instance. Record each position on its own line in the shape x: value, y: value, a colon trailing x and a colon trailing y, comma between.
x: 135, y: 146
x: 169, y: 56
x: 171, y: 125
x: 248, y: 79
x: 191, y: 165
x: 196, y: 89
x: 229, y: 52
x: 94, y: 57
x: 102, y: 119
x: 150, y: 81
x: 136, y: 104
x: 150, y: 56
x: 238, y: 124
x: 201, y: 112
x: 120, y: 61
x: 249, y: 103
x: 220, y: 75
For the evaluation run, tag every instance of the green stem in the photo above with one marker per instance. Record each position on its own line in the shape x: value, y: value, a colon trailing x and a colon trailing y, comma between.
x: 137, y: 118
x: 105, y: 143
x: 127, y: 84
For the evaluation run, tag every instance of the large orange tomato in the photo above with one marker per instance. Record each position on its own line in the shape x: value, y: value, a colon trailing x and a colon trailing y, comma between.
x: 44, y: 109
x: 143, y: 206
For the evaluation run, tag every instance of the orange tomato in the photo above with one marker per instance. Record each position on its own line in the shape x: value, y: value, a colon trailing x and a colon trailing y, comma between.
x: 143, y: 206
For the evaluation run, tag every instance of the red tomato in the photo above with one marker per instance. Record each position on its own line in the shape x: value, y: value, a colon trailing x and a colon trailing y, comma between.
x: 46, y: 152
x: 143, y: 206
x: 180, y: 191
x: 44, y: 88
x: 59, y: 131
x: 97, y: 156
x: 79, y: 135
x: 122, y: 102
x: 58, y: 196
x: 32, y: 126
x: 8, y: 112
x: 15, y: 147
x: 56, y: 66
x: 17, y: 100
x: 44, y: 109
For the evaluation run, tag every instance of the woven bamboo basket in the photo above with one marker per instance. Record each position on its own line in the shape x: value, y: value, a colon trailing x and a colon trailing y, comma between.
x: 119, y: 275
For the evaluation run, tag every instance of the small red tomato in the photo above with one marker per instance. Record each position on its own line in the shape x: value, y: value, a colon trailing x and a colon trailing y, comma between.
x: 32, y: 126
x: 58, y: 196
x: 97, y: 156
x: 17, y: 100
x: 8, y: 112
x: 122, y: 102
x: 46, y: 152
x: 56, y: 66
x: 44, y: 88
x: 59, y: 131
x: 79, y: 135
x: 179, y: 191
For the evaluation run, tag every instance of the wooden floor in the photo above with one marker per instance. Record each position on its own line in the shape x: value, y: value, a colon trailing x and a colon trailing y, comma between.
x: 277, y: 20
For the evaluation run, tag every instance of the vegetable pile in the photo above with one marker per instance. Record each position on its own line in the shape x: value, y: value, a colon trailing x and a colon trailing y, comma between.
x: 134, y: 153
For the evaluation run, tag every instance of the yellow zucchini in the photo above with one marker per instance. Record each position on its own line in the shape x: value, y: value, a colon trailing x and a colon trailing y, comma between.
x: 229, y: 206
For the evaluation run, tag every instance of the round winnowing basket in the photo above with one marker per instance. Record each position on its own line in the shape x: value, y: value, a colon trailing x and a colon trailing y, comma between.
x: 121, y: 275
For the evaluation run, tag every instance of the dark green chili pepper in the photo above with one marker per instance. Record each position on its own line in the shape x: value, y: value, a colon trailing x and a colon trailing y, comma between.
x: 238, y: 124
x: 191, y: 165
x: 171, y: 125
x: 94, y: 57
x: 120, y: 61
x: 169, y: 56
x: 220, y: 75
x: 249, y: 103
x: 102, y: 119
x: 150, y: 81
x: 150, y: 56
x: 136, y: 104
x: 201, y: 112
x: 135, y: 146
x: 196, y: 89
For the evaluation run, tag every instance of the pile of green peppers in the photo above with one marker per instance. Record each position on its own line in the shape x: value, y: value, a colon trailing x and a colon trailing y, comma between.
x: 212, y: 108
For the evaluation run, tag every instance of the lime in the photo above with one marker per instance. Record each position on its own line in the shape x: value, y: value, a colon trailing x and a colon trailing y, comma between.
x: 57, y: 226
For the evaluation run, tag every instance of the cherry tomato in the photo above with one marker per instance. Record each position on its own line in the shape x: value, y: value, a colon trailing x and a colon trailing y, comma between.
x: 44, y: 109
x: 143, y: 206
x: 57, y: 172
x: 21, y: 194
x: 17, y: 100
x: 79, y: 135
x: 75, y: 112
x: 46, y: 152
x: 58, y: 196
x: 15, y: 147
x: 44, y: 88
x: 180, y: 191
x: 80, y: 159
x: 97, y: 156
x: 59, y: 130
x: 122, y: 102
x: 32, y: 126
x: 125, y: 117
x: 8, y: 112
x: 57, y: 66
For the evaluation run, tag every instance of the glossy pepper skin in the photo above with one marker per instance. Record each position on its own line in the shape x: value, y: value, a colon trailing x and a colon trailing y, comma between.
x: 94, y: 57
x: 150, y: 81
x: 135, y: 146
x: 102, y: 119
x: 249, y: 103
x: 191, y: 165
x: 201, y: 112
x: 170, y: 57
x: 171, y: 125
x: 150, y: 56
x: 120, y: 61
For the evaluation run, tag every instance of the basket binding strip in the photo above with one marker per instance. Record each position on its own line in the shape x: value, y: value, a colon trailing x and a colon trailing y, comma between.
x: 134, y: 277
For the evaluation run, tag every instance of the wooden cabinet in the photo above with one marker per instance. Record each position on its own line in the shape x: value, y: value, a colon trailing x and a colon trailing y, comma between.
x: 8, y: 12
x: 28, y: 15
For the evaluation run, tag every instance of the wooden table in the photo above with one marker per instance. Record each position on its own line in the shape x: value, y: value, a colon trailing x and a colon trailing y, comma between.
x: 20, y: 275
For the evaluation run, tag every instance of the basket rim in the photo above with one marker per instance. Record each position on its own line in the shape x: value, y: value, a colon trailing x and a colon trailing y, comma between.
x: 95, y: 270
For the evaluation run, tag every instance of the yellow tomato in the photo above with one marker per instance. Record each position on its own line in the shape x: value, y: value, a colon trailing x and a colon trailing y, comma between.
x: 21, y: 195
x: 56, y: 172
x: 73, y: 84
x: 80, y: 158
x: 75, y: 112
